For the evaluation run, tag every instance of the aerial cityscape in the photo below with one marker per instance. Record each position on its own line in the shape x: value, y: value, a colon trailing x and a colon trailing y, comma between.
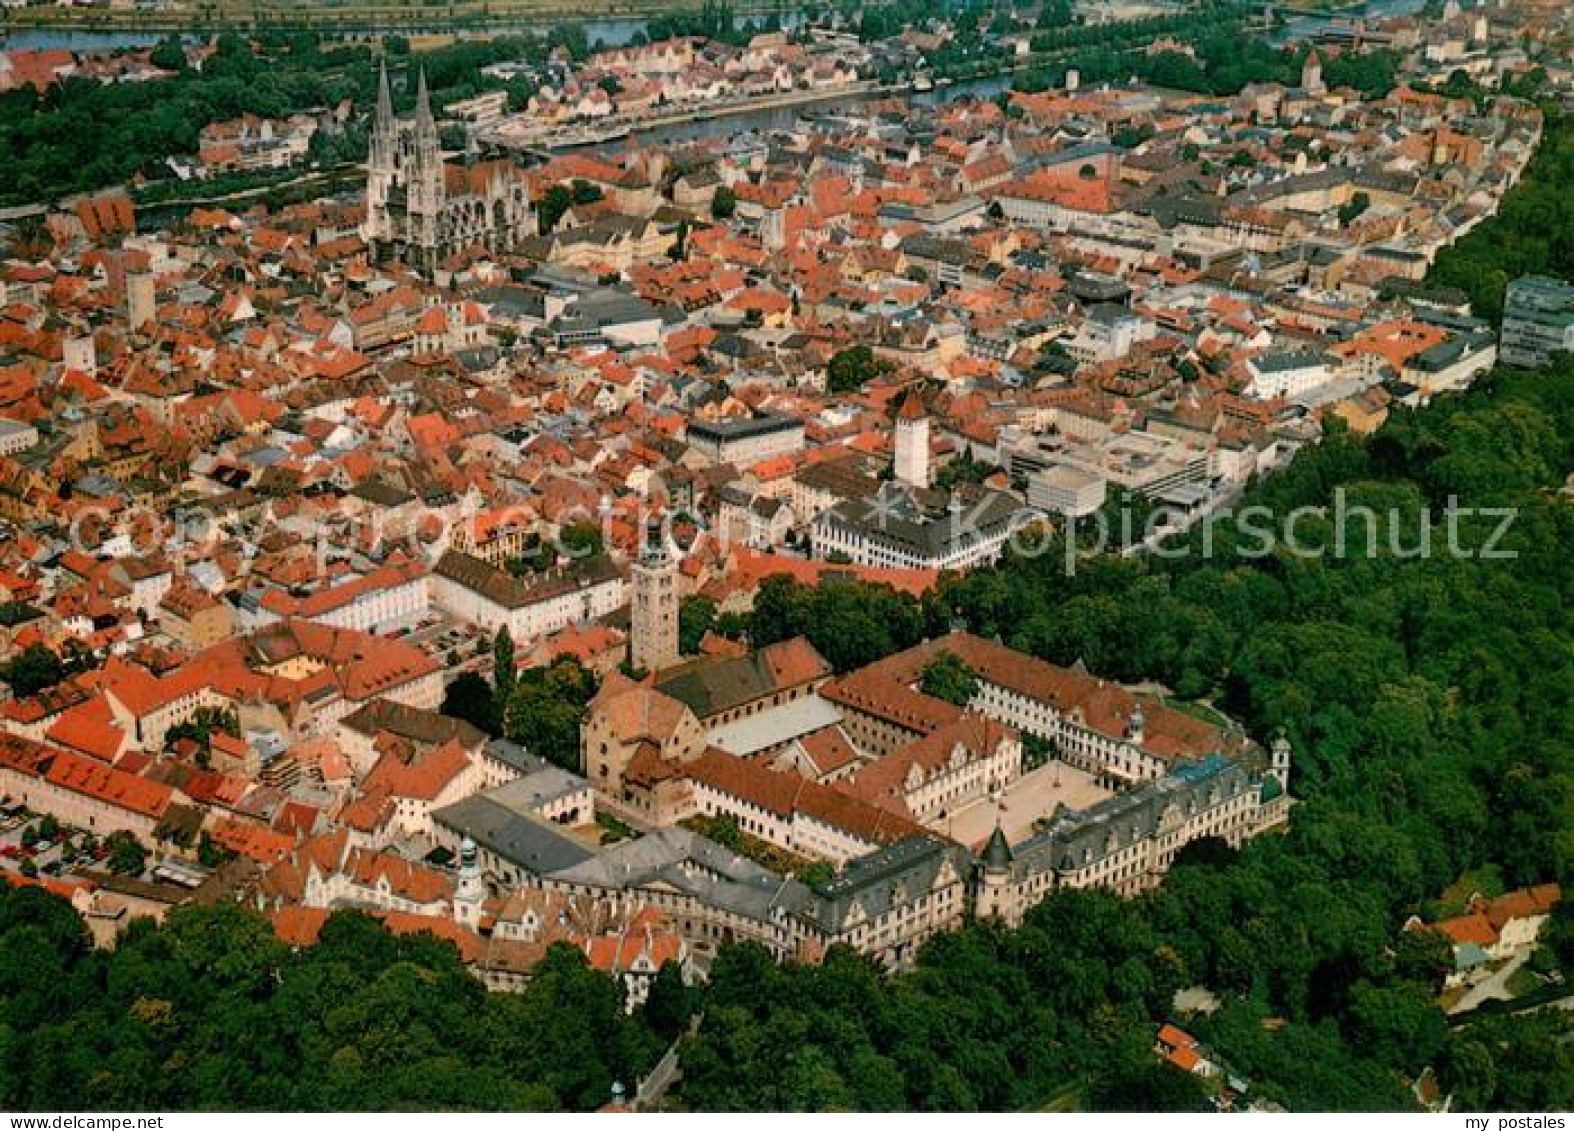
x: 887, y: 555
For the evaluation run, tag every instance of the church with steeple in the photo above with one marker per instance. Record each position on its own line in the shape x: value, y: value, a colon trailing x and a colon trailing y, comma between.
x: 421, y: 210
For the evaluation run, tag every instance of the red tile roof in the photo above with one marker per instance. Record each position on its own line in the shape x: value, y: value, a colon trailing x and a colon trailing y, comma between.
x: 111, y: 786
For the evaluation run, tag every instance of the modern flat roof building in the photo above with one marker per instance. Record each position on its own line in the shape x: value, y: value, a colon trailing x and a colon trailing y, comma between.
x: 1538, y: 321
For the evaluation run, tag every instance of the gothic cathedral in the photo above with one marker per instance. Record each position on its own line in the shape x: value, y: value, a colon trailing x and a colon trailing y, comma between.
x: 420, y: 210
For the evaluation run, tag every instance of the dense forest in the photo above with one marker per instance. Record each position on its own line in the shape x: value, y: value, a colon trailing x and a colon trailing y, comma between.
x: 1427, y: 698
x: 211, y: 1011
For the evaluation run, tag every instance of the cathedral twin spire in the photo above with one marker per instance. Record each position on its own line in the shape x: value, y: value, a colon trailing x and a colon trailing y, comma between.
x: 384, y: 98
x: 385, y: 112
x: 423, y: 107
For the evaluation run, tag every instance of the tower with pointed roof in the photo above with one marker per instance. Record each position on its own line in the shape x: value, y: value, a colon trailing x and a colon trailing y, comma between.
x: 1312, y: 74
x: 653, y: 629
x: 424, y: 180
x: 381, y: 164
x: 993, y: 884
x: 912, y: 443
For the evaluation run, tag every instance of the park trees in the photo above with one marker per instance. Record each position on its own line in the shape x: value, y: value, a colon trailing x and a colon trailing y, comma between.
x: 545, y: 707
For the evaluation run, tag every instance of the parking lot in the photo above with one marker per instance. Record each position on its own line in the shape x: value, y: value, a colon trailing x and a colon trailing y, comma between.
x: 50, y: 856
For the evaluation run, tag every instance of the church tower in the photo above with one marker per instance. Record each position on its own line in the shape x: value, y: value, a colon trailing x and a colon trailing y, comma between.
x: 653, y: 635
x: 425, y: 180
x: 412, y: 215
x: 382, y: 161
x: 1279, y: 766
x: 912, y: 443
x: 470, y: 892
x: 1312, y: 74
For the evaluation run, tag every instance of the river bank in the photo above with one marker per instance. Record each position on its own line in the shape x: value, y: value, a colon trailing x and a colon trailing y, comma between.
x: 102, y: 29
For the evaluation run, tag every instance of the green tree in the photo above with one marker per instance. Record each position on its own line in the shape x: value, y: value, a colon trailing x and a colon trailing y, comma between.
x: 168, y: 54
x: 503, y: 664
x: 469, y: 697
x: 546, y: 707
x: 696, y: 615
x: 1348, y: 213
x: 553, y: 204
x: 126, y: 854
x: 581, y: 540
x: 948, y: 677
x: 850, y: 369
x: 35, y: 669
x: 670, y: 1004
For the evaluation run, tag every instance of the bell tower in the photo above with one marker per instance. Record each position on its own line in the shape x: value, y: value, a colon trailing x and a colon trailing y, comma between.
x: 653, y: 635
x: 470, y: 892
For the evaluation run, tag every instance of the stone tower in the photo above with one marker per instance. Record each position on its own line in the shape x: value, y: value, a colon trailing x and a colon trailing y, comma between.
x: 1312, y: 74
x: 912, y: 443
x: 381, y: 165
x: 141, y: 305
x: 1136, y: 726
x: 470, y: 892
x: 653, y: 634
x: 1279, y: 766
x: 416, y: 213
x: 991, y: 896
x: 405, y: 190
x: 425, y: 188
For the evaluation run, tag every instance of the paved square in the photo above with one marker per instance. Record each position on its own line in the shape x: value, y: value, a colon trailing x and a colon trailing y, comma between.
x: 1033, y: 795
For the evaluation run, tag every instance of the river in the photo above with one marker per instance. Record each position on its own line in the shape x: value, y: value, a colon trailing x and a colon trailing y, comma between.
x: 607, y: 33
x: 613, y: 33
x: 1300, y: 26
x: 783, y: 117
